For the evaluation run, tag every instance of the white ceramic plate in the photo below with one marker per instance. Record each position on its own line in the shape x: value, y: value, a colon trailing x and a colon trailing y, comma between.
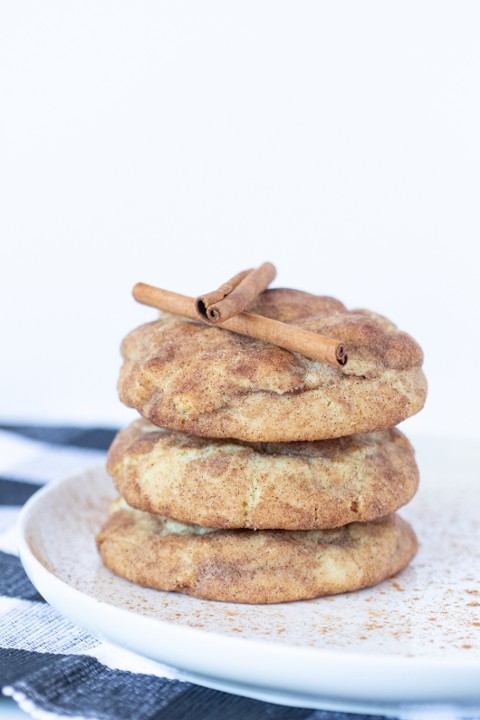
x: 411, y: 641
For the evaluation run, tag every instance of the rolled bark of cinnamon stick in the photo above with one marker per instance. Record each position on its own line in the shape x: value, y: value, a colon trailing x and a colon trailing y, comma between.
x: 236, y: 295
x: 204, y: 302
x: 290, y: 337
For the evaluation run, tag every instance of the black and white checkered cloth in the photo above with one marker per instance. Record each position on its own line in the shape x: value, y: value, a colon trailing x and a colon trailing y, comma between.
x: 55, y: 669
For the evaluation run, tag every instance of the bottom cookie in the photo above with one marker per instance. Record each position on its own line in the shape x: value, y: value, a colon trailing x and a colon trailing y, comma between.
x: 247, y: 566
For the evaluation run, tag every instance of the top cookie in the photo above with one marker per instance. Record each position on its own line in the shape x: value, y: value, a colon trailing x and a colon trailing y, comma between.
x: 189, y: 376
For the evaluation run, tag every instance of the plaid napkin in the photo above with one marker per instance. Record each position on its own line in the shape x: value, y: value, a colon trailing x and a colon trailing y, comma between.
x: 53, y: 668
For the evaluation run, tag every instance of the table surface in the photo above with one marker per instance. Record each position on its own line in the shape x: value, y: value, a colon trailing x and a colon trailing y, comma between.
x: 9, y: 710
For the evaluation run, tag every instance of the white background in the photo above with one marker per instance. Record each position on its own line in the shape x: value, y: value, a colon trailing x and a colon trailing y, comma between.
x: 178, y: 142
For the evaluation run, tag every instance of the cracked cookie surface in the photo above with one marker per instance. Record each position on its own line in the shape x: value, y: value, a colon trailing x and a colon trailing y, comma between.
x: 188, y: 376
x: 292, y: 486
x: 266, y: 566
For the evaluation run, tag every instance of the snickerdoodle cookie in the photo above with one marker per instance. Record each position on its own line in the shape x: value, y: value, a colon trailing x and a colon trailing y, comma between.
x: 266, y: 566
x: 289, y: 486
x: 188, y: 376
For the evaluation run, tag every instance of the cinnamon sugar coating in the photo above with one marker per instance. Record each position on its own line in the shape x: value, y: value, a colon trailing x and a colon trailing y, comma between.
x: 188, y: 376
x: 266, y: 566
x: 292, y: 486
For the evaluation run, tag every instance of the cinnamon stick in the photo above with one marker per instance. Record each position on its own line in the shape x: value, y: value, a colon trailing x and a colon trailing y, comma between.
x: 290, y: 337
x: 235, y: 295
x: 205, y: 301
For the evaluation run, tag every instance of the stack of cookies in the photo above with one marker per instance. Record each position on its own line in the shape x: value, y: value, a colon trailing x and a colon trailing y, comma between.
x: 256, y: 474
